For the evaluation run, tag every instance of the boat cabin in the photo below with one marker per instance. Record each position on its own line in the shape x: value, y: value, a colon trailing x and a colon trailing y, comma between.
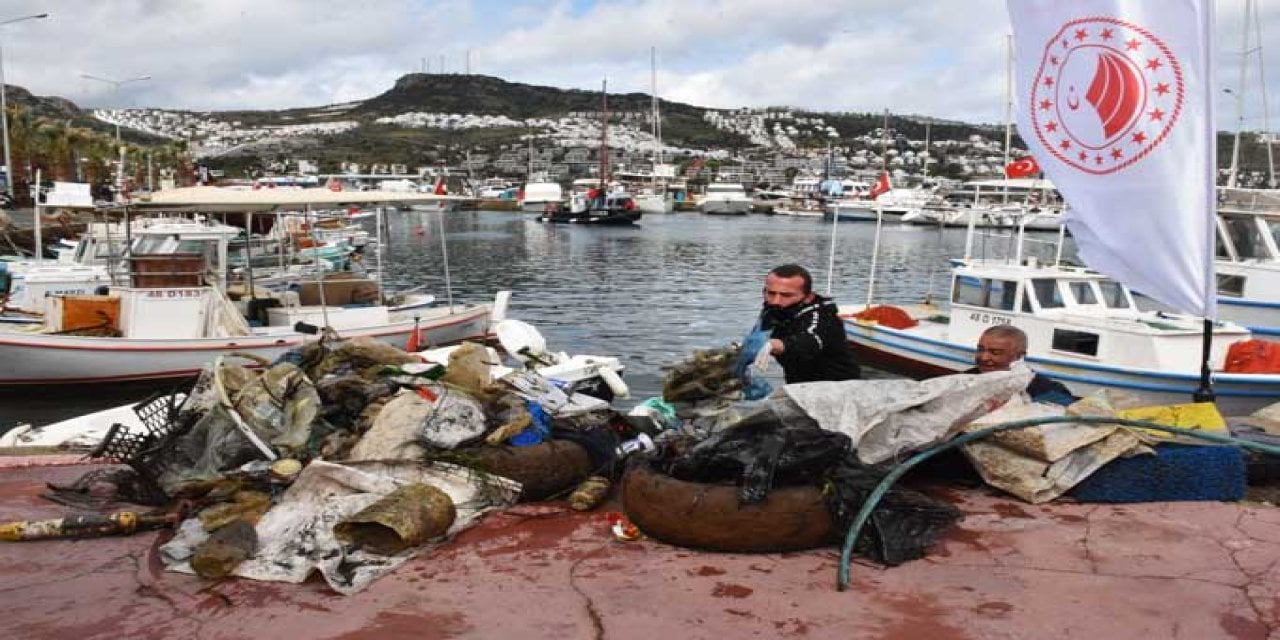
x: 1074, y: 313
x: 1248, y: 254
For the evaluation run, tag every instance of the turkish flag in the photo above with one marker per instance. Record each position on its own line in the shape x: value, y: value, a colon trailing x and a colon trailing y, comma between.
x: 440, y: 190
x: 881, y: 186
x: 1025, y: 167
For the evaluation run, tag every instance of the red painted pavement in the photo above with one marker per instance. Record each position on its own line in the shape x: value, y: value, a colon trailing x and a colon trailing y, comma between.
x: 1009, y: 570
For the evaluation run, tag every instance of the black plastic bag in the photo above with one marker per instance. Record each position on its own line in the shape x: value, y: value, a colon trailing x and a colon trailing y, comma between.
x: 904, y: 523
x: 760, y: 453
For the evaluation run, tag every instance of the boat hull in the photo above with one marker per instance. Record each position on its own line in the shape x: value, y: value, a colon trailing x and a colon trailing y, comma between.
x: 917, y: 356
x: 723, y: 207
x: 60, y: 359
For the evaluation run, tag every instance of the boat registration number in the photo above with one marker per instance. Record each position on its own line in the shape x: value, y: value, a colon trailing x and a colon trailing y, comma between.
x: 988, y: 318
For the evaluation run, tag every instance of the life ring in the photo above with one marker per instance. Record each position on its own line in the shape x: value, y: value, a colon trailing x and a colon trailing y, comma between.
x: 543, y: 470
x: 628, y: 204
x: 708, y: 516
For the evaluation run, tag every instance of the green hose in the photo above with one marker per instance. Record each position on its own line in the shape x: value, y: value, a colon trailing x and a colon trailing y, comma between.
x: 872, y: 500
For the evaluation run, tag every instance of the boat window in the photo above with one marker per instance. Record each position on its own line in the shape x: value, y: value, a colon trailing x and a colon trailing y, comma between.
x: 1113, y: 294
x: 1003, y: 294
x: 1081, y: 342
x: 1245, y: 236
x: 1083, y: 293
x: 1221, y: 248
x: 1026, y: 301
x: 1229, y: 285
x: 1274, y: 227
x: 1047, y: 293
x: 969, y: 291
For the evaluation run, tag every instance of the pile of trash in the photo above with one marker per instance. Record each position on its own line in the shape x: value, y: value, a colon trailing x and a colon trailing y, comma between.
x: 839, y: 440
x: 348, y: 457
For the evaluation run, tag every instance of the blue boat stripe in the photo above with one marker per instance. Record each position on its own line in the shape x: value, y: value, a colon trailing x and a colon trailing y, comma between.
x: 1191, y: 382
x: 1245, y: 302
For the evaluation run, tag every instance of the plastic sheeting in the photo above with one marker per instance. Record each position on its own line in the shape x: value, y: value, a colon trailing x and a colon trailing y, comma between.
x: 1040, y: 463
x: 296, y: 536
x: 887, y: 418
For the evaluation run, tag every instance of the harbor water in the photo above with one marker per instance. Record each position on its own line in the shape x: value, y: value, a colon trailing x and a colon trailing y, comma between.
x: 648, y: 294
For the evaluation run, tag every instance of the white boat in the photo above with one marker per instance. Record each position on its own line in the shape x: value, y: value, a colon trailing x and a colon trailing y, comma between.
x: 1248, y: 260
x: 985, y: 216
x: 535, y: 196
x: 726, y: 198
x: 174, y: 316
x: 1082, y: 328
x: 894, y: 205
x: 45, y: 358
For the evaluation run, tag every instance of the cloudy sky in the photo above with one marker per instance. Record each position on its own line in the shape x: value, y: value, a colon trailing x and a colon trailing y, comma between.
x: 943, y: 58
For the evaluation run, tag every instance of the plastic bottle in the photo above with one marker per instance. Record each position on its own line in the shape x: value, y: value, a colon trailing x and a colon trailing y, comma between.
x: 639, y: 444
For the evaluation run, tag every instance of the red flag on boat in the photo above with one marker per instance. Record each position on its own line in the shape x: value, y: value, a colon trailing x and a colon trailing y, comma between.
x: 881, y: 186
x: 1025, y: 167
x: 440, y: 190
x: 334, y: 185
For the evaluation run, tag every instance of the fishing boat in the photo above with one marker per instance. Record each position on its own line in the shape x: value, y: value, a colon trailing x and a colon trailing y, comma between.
x: 601, y: 204
x: 1083, y: 329
x: 1247, y: 261
x: 174, y: 316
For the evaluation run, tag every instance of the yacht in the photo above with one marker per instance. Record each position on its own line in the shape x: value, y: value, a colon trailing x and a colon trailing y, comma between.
x: 726, y: 198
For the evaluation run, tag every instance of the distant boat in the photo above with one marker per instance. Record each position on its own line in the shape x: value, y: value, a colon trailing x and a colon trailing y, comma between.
x: 599, y: 204
x: 536, y: 196
x: 726, y: 199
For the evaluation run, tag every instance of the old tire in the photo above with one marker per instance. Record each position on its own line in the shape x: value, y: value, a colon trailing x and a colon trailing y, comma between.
x: 707, y: 516
x: 543, y: 469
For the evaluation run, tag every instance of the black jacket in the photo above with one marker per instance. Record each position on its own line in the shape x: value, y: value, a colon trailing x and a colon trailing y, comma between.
x: 815, y: 345
x: 1042, y: 388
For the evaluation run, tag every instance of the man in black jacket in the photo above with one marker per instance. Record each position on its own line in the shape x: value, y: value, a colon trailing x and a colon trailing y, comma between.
x: 806, y: 334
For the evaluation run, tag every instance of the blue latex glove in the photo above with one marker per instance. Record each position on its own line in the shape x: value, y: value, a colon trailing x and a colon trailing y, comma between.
x: 752, y: 388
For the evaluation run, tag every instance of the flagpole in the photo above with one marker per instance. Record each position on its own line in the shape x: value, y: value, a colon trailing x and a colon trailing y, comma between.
x: 1205, y: 393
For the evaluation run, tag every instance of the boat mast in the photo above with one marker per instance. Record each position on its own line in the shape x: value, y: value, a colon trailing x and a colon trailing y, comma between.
x: 657, y: 134
x: 1232, y: 177
x: 1008, y: 110
x: 604, y: 137
x: 924, y: 171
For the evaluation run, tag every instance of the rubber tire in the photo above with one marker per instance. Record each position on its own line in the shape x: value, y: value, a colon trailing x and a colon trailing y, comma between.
x: 544, y: 470
x: 707, y: 516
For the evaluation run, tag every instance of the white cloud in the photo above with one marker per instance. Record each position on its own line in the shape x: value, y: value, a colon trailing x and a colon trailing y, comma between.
x: 935, y: 57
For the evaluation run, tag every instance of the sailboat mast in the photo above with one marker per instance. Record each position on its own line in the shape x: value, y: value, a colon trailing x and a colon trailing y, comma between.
x: 1262, y: 88
x: 653, y: 91
x: 604, y: 137
x: 1232, y: 179
x: 1008, y: 110
x: 924, y: 172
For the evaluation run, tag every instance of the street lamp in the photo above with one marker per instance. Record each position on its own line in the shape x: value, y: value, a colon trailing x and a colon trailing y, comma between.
x: 116, y: 91
x: 4, y: 107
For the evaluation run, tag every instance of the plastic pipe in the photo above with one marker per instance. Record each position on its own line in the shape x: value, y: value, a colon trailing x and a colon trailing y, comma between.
x: 846, y: 553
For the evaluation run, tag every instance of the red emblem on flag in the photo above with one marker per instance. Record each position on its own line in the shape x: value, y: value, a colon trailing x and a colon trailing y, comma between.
x: 1022, y: 168
x: 881, y: 186
x: 1106, y: 94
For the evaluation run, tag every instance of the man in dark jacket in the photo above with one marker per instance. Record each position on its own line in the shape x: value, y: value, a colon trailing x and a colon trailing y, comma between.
x: 806, y: 334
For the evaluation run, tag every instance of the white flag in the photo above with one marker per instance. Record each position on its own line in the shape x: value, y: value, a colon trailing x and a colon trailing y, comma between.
x: 1115, y: 102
